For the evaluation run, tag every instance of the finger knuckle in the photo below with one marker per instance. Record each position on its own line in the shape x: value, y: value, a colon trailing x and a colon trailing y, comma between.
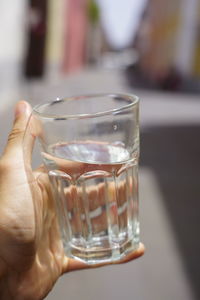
x: 16, y: 132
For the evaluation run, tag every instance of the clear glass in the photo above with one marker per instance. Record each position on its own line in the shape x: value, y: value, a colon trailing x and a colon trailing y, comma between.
x: 90, y: 146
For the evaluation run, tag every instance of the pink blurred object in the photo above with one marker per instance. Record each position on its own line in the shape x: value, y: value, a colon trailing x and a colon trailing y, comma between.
x: 75, y: 36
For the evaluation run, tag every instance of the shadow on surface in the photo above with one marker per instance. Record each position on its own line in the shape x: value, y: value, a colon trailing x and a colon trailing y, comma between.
x: 173, y: 153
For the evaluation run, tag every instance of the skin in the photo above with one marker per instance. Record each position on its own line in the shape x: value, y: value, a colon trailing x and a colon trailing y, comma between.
x: 31, y: 252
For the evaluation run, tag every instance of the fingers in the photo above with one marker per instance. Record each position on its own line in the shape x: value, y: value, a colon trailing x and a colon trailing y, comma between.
x: 71, y: 264
x: 15, y: 139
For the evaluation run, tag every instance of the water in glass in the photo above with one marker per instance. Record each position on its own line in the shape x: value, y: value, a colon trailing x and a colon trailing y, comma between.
x: 96, y: 189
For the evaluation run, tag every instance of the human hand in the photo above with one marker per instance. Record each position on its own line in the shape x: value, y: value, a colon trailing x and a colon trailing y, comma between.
x: 31, y: 252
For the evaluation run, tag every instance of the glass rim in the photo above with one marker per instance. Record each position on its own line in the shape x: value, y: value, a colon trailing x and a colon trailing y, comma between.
x: 134, y: 100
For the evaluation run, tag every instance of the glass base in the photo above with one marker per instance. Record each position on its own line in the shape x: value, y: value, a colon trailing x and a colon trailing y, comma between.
x: 103, y: 253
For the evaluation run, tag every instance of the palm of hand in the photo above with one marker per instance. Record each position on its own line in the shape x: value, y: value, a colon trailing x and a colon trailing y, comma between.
x: 32, y: 256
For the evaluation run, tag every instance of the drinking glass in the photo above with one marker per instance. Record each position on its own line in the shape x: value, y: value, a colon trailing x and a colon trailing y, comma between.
x: 90, y: 147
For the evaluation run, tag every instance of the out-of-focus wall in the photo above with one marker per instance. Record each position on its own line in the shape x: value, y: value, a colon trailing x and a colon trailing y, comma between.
x: 12, y: 40
x: 12, y: 29
x: 164, y: 35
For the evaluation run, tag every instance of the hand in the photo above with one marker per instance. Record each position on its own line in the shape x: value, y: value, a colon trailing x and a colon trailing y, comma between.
x: 31, y: 253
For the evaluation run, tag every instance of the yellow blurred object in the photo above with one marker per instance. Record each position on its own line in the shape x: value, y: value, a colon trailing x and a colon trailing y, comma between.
x: 197, y: 50
x: 57, y: 10
x: 170, y: 38
x: 162, y: 23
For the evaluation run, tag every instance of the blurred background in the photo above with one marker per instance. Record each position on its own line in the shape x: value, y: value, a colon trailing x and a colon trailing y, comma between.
x: 56, y: 48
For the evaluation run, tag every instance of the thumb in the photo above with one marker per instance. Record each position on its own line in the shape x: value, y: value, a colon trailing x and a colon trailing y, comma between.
x: 15, y: 139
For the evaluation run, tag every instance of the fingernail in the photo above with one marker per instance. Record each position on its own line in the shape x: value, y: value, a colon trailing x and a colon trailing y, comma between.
x: 20, y: 108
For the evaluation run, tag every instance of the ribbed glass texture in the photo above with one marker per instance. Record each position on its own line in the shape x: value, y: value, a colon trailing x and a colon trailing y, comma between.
x: 90, y: 146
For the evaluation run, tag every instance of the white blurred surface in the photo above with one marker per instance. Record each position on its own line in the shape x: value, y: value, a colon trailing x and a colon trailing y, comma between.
x: 120, y: 20
x: 12, y: 41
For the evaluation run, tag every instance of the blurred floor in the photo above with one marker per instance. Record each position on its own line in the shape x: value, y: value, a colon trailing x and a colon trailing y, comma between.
x: 169, y: 195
